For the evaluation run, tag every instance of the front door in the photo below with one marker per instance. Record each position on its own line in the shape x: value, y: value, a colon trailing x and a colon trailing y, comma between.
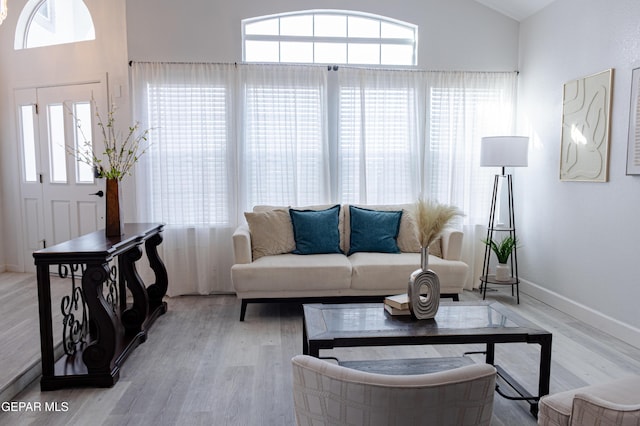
x: 61, y: 198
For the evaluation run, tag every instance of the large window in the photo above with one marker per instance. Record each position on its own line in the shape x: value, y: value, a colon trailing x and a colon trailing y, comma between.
x: 284, y: 143
x: 378, y: 147
x: 227, y: 138
x: 329, y: 37
x: 189, y: 158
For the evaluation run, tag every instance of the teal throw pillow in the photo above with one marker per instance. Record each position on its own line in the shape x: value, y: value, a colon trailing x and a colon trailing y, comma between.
x: 316, y: 231
x: 374, y: 230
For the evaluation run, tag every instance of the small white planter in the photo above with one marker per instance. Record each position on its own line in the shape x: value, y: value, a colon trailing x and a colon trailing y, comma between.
x: 503, y: 272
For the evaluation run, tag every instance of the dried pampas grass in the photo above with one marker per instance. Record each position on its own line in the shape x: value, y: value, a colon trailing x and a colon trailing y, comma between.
x: 431, y: 219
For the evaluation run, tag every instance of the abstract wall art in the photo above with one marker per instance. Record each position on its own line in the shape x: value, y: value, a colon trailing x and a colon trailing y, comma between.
x: 586, y: 117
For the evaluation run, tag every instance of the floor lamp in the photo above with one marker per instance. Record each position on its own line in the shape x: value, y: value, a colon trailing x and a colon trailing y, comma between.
x: 502, y: 151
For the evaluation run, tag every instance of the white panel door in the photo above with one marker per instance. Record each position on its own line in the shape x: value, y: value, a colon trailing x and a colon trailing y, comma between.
x: 60, y: 196
x: 30, y: 187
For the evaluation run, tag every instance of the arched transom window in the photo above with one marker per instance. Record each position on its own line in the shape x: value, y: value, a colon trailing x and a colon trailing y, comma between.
x: 329, y: 37
x: 50, y: 22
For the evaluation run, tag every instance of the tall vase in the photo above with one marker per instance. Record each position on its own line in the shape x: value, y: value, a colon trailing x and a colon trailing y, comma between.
x: 424, y: 289
x: 114, y: 220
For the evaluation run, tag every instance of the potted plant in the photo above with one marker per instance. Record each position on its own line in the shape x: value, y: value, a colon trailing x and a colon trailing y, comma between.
x: 121, y: 153
x: 502, y: 251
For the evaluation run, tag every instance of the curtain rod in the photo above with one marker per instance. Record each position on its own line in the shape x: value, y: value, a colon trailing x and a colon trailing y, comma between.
x: 330, y: 67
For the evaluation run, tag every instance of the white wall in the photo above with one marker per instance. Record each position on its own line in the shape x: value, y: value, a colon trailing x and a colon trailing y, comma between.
x: 581, y: 241
x: 63, y: 64
x: 453, y: 34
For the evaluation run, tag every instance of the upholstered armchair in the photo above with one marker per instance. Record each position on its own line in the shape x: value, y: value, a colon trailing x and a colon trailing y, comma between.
x: 325, y: 393
x: 606, y: 404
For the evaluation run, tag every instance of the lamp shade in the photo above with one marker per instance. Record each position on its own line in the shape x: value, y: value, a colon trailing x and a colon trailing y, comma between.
x: 504, y: 151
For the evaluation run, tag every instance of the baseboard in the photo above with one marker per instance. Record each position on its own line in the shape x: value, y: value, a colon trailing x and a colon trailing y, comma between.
x: 612, y: 326
x: 13, y: 268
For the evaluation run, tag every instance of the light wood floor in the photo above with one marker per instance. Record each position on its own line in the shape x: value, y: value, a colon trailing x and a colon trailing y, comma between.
x: 200, y: 365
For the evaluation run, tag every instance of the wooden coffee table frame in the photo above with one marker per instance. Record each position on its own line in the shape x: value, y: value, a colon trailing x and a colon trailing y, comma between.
x: 396, y: 330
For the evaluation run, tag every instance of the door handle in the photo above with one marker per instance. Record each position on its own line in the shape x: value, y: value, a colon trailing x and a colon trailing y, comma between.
x: 99, y: 193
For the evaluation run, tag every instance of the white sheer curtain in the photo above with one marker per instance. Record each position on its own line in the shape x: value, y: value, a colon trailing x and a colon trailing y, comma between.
x: 187, y: 179
x: 283, y: 135
x: 462, y: 108
x: 229, y: 137
x: 405, y: 134
x: 379, y: 123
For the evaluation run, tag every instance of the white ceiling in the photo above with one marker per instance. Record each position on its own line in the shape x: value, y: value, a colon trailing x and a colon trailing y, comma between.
x: 516, y: 9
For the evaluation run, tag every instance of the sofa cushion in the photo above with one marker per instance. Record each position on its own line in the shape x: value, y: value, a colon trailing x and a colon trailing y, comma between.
x: 271, y: 232
x: 316, y: 231
x: 262, y: 208
x: 392, y: 271
x: 407, y: 235
x: 290, y: 272
x: 382, y: 270
x: 374, y: 230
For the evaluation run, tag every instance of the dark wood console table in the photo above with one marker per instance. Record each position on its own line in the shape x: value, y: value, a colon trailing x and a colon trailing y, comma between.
x: 101, y: 325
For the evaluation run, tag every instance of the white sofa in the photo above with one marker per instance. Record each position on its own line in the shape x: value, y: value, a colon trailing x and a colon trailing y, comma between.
x: 288, y: 276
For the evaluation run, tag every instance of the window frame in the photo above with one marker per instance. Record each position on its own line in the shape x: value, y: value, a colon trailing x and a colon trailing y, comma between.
x: 313, y: 39
x: 29, y: 15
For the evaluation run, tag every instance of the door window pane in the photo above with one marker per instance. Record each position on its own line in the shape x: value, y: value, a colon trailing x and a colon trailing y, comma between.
x: 83, y: 141
x: 28, y: 143
x: 57, y: 149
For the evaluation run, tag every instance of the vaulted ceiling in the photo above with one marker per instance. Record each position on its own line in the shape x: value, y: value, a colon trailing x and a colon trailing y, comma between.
x: 516, y: 9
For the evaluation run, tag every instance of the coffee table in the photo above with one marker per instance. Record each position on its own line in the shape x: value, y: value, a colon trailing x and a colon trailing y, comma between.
x: 328, y: 326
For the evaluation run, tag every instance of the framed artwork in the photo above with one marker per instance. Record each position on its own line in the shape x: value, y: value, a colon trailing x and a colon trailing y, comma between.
x: 586, y: 118
x: 633, y: 143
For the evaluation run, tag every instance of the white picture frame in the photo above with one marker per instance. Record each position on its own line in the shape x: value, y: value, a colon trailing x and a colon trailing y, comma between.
x: 586, y: 122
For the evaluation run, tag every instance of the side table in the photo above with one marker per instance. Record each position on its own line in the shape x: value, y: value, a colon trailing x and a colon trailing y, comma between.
x: 101, y: 325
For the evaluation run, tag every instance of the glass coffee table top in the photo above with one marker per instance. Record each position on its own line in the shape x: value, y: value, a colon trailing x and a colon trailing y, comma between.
x: 452, y: 318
